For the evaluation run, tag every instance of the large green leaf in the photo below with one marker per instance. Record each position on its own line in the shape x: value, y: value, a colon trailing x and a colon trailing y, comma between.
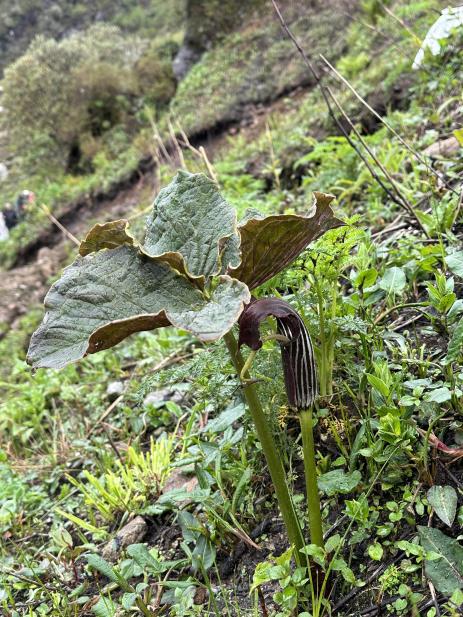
x: 190, y: 226
x: 338, y: 481
x: 270, y: 244
x: 446, y: 573
x: 455, y: 346
x: 106, y: 296
x: 105, y: 607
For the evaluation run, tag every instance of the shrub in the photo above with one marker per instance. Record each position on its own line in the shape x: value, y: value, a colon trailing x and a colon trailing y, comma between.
x: 62, y: 92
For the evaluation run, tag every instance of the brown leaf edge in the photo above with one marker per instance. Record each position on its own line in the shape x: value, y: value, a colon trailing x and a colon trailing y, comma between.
x: 108, y: 235
x: 112, y: 234
x: 269, y: 244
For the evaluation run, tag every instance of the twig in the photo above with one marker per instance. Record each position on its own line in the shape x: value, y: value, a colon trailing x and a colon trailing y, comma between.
x: 105, y: 414
x: 55, y: 221
x: 389, y: 230
x: 176, y: 144
x: 384, y: 314
x: 390, y: 128
x: 343, y: 601
x: 157, y: 138
x: 400, y: 326
x: 402, y: 23
x: 450, y: 474
x: 434, y: 599
x: 400, y: 200
x: 112, y: 444
x: 335, y: 525
x: 172, y: 359
x: 369, y: 580
x: 262, y: 602
x: 199, y: 153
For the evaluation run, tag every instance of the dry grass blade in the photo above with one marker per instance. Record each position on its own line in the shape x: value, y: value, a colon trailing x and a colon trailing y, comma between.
x: 55, y: 221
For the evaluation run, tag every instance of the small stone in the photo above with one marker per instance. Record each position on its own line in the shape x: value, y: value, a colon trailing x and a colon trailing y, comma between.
x: 186, y: 57
x: 114, y: 389
x: 179, y: 480
x: 444, y: 148
x: 131, y: 533
x: 3, y: 172
x: 156, y: 397
x: 200, y: 596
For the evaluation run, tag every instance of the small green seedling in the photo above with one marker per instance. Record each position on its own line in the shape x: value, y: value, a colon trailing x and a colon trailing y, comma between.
x: 195, y: 270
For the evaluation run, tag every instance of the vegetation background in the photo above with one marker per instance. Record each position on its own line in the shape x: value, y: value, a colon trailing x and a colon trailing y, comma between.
x: 133, y: 482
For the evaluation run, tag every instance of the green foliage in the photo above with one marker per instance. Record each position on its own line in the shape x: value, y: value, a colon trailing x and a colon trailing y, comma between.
x: 192, y: 271
x: 209, y: 20
x: 444, y: 501
x: 383, y: 304
x: 55, y: 20
x: 132, y: 483
x: 75, y: 92
x: 18, y: 498
x: 444, y: 560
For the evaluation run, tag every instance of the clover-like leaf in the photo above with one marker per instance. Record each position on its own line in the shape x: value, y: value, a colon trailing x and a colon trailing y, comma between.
x: 106, y: 296
x: 190, y: 225
x: 269, y: 244
x: 106, y: 236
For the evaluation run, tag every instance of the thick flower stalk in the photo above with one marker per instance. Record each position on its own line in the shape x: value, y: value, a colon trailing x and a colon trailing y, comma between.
x: 300, y: 377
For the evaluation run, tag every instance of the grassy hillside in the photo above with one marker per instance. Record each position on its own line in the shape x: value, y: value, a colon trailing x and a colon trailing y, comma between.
x: 155, y: 433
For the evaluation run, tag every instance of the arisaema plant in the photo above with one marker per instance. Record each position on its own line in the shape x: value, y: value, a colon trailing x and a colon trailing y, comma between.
x: 195, y: 270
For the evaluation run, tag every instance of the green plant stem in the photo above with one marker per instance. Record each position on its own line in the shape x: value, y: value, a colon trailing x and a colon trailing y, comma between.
x: 323, y: 343
x: 272, y: 456
x: 387, y: 312
x: 313, y: 498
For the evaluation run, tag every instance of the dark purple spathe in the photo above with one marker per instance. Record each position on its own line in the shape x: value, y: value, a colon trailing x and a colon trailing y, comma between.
x: 297, y: 355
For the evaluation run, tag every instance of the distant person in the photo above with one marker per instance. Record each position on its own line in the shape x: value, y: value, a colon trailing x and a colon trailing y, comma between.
x: 12, y: 215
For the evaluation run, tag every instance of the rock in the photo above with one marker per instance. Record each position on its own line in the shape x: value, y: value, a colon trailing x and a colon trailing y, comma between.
x: 200, y: 596
x: 186, y: 57
x: 131, y: 533
x: 179, y: 479
x: 3, y: 172
x: 157, y: 397
x: 114, y: 389
x: 444, y: 147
